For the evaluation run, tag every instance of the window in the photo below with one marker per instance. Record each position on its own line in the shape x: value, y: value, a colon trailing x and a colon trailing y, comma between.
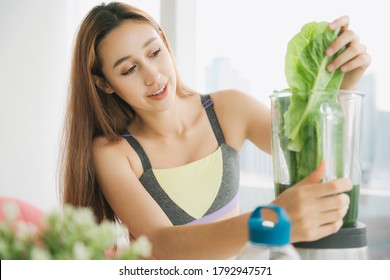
x: 241, y: 44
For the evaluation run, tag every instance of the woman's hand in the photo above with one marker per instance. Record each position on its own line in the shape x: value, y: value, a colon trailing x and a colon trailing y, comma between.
x: 316, y: 209
x: 354, y: 60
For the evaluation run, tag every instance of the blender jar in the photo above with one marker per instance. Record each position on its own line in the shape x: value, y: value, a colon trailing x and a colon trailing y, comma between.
x: 331, y: 131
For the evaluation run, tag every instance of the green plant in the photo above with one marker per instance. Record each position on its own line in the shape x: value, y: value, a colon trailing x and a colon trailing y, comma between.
x: 72, y: 233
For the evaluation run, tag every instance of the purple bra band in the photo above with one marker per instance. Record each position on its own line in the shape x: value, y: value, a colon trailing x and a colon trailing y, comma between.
x: 217, y: 214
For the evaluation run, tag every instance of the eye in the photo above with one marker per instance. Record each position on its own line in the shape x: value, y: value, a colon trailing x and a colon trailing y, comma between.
x: 131, y: 70
x: 156, y: 53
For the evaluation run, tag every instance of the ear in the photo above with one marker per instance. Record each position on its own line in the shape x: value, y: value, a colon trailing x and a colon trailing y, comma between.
x: 103, y: 84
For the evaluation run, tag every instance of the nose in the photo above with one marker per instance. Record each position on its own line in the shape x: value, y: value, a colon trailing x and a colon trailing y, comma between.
x: 151, y: 74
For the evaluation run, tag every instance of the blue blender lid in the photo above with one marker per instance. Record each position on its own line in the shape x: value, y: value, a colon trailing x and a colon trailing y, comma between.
x: 262, y: 233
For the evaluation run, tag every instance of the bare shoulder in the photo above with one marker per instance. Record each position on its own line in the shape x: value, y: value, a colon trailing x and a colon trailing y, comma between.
x: 105, y: 150
x: 242, y: 117
x: 102, y: 145
x: 235, y: 101
x: 229, y: 98
x: 99, y: 143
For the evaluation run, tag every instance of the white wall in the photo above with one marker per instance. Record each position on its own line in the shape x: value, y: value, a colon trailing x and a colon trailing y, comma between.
x: 33, y: 75
x: 36, y: 37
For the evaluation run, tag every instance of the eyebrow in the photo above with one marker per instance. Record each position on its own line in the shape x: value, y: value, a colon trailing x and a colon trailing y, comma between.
x: 119, y: 61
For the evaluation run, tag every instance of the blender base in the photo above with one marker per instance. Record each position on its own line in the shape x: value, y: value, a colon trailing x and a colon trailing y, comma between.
x: 349, y: 243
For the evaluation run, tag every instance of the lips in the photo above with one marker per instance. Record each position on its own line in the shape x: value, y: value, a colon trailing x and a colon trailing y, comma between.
x: 160, y: 93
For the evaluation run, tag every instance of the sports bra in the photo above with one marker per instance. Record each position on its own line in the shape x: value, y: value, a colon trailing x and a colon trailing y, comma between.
x: 201, y: 191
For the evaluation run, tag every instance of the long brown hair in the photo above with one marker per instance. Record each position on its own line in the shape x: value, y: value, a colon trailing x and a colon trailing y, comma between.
x: 91, y: 112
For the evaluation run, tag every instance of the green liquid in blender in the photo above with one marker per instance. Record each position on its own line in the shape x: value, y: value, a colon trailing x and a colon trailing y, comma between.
x: 351, y: 217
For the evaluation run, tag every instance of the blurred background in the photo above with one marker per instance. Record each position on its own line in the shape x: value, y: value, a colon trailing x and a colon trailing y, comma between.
x: 217, y: 44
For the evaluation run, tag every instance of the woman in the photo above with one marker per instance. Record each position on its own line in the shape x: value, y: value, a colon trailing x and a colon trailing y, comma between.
x: 144, y: 149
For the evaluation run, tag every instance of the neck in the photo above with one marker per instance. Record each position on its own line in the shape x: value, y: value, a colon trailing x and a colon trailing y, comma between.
x: 168, y: 123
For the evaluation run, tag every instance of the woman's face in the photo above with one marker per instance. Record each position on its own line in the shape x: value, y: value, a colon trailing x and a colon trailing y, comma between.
x: 138, y: 67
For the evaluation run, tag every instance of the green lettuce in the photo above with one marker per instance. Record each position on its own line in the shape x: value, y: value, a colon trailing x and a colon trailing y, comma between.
x: 311, y: 85
x: 306, y: 61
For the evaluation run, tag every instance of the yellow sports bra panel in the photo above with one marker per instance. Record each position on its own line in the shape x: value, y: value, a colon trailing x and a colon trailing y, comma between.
x: 194, y: 186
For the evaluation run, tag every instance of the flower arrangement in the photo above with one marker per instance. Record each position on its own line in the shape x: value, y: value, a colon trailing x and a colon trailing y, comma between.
x: 70, y: 234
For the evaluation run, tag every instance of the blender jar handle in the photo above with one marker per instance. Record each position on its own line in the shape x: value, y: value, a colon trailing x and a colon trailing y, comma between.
x: 331, y: 139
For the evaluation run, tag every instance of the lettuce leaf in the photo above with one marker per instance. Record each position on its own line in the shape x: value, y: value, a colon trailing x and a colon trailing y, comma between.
x: 306, y: 61
x: 310, y: 84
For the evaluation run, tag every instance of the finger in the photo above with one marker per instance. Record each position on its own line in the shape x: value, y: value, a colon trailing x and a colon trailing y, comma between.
x: 340, y: 22
x: 362, y: 61
x: 315, y: 176
x: 331, y: 188
x: 330, y: 228
x: 346, y: 38
x: 346, y: 56
x: 333, y: 216
x: 316, y: 232
x: 334, y: 202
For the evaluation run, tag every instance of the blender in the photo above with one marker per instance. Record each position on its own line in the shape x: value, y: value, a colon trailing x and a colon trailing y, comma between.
x: 332, y: 133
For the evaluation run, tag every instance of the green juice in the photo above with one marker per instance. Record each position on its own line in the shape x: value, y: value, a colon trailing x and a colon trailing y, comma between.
x: 351, y: 217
